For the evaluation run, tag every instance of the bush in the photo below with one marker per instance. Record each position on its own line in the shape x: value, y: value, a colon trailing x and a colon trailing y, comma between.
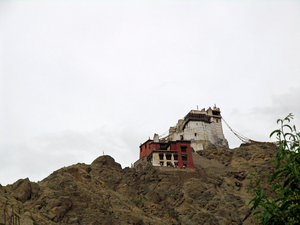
x: 283, y: 205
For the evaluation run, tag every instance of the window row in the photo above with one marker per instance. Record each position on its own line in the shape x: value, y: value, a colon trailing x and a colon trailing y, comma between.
x: 169, y: 157
x: 171, y: 164
x: 167, y: 147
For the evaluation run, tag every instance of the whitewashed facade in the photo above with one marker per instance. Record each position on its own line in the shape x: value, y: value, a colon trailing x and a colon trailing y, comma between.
x: 201, y: 127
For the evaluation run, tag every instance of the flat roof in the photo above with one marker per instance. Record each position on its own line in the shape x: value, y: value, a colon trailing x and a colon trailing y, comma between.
x: 169, y: 142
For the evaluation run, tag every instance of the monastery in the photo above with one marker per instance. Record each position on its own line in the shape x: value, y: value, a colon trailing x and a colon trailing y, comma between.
x: 197, y: 131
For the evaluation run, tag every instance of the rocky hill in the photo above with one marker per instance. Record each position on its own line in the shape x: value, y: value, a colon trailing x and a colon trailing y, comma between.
x: 104, y: 193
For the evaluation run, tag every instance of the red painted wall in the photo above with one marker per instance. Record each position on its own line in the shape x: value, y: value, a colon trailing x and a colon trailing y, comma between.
x: 189, y: 161
x: 149, y: 146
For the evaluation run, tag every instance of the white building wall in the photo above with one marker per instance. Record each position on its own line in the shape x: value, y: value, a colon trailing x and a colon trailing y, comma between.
x: 156, y: 161
x: 195, y: 127
x: 197, y: 146
x: 201, y: 131
x: 176, y: 136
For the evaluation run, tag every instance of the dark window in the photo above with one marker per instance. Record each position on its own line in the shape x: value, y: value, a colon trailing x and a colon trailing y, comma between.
x: 169, y: 163
x: 161, y: 163
x: 161, y: 156
x: 176, y: 164
x: 183, y: 148
x: 184, y: 164
x: 164, y: 146
x: 168, y: 156
x: 195, y: 134
x: 175, y: 157
x: 181, y: 137
x: 184, y: 157
x: 141, y: 149
x: 217, y: 113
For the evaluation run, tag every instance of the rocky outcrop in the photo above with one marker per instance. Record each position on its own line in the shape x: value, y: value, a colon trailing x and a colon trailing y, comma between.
x: 104, y: 193
x: 21, y: 190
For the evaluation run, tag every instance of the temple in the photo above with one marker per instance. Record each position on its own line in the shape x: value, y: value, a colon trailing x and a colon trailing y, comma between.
x: 197, y: 131
x: 201, y: 127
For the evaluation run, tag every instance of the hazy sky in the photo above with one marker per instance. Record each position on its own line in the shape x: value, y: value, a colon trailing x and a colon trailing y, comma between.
x: 83, y: 78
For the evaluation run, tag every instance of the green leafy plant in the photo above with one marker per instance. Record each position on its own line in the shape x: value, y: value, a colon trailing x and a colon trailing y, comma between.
x: 283, y: 205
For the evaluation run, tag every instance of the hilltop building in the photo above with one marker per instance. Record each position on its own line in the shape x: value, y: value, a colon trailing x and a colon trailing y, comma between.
x: 198, y: 130
x: 171, y: 153
x: 201, y: 127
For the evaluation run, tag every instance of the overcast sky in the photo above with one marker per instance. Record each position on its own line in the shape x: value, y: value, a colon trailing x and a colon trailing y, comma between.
x: 83, y: 78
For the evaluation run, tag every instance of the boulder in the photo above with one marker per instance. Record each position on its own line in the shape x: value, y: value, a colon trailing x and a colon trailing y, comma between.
x: 106, y: 161
x: 21, y: 190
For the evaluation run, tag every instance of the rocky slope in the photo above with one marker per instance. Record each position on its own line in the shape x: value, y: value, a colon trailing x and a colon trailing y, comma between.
x: 104, y: 193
